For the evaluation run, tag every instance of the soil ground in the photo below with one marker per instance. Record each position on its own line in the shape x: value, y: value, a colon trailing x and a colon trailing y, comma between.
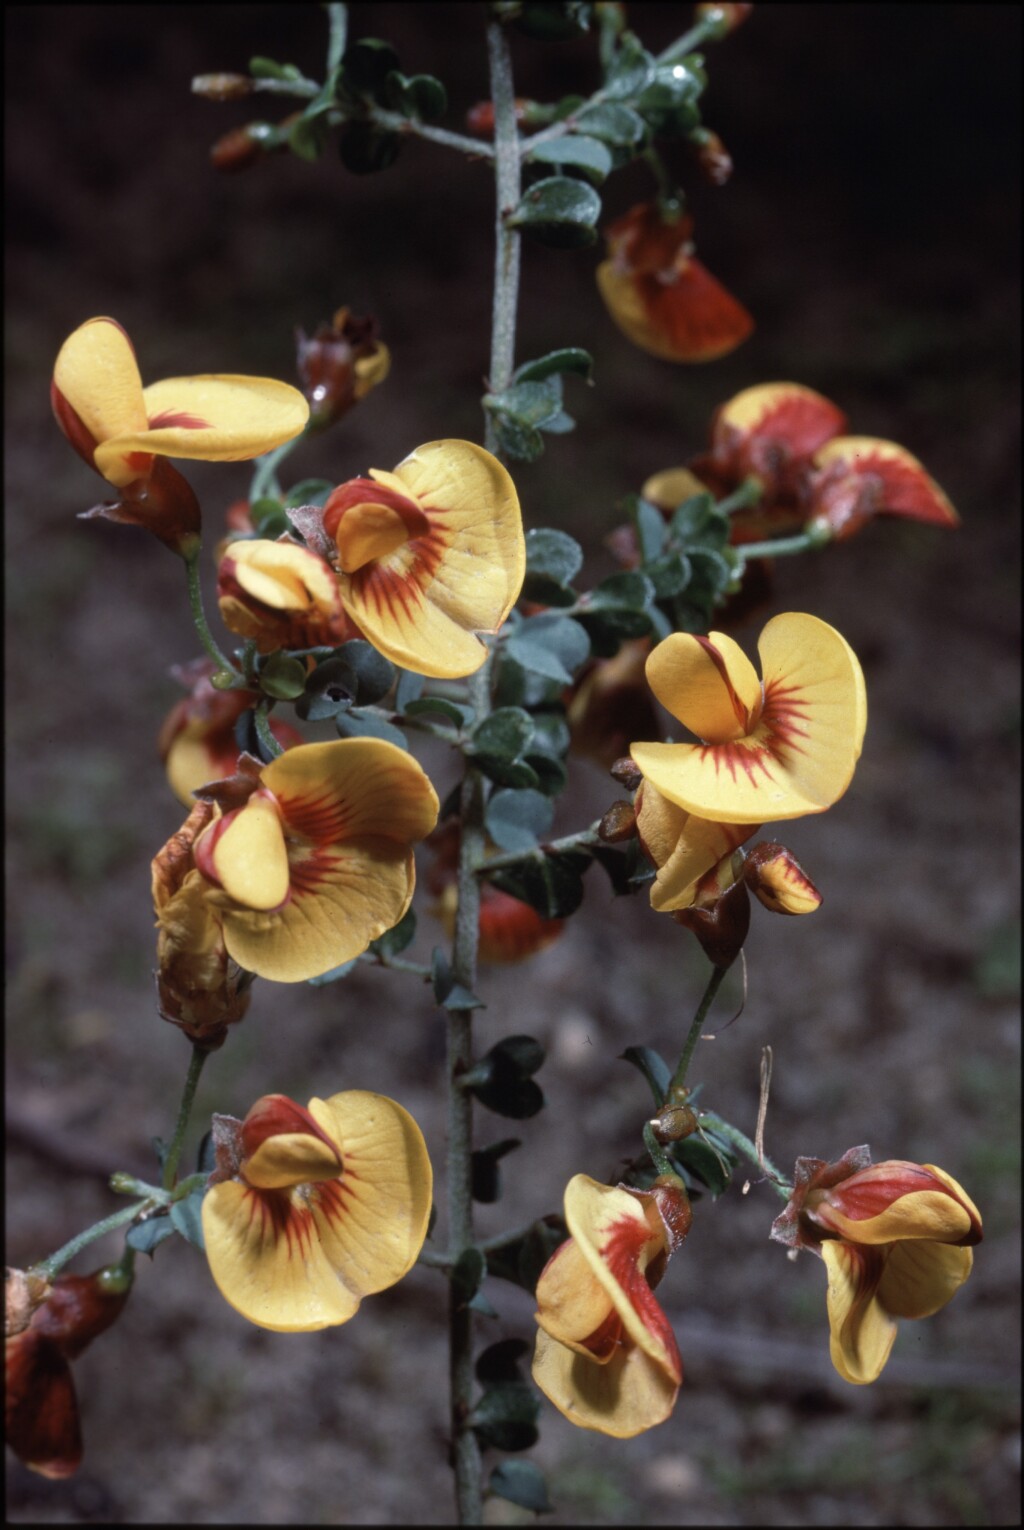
x: 870, y: 227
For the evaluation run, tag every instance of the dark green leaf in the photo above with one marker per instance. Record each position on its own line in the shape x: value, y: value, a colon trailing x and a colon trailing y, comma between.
x: 616, y: 868
x: 454, y: 711
x: 359, y: 724
x: 612, y: 123
x: 503, y: 735
x: 501, y: 1362
x: 365, y: 149
x: 515, y: 820
x: 502, y: 1079
x: 552, y: 561
x: 422, y: 96
x: 334, y: 974
x: 311, y: 491
x: 395, y: 940
x: 551, y: 884
x: 449, y: 994
x: 330, y: 689
x: 560, y: 212
x: 632, y: 69
x: 467, y: 1273
x: 654, y: 1069
x: 282, y: 677
x: 519, y: 687
x: 699, y: 522
x: 570, y: 359
x: 522, y: 442
x: 552, y: 20
x: 551, y: 735
x: 268, y: 69
x: 521, y: 1259
x: 589, y: 156
x: 651, y: 529
x: 558, y: 424
x: 486, y: 1173
x: 551, y: 645
x: 708, y: 1161
x: 375, y: 674
x: 409, y: 688
x: 522, y: 1483
x: 506, y: 1416
x: 527, y: 403
x: 669, y: 575
x: 186, y: 1217
x: 144, y: 1236
x: 367, y: 64
x: 308, y: 137
x: 268, y: 518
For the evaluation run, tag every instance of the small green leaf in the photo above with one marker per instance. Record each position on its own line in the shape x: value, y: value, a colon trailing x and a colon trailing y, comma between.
x: 506, y: 1417
x: 699, y: 522
x: 186, y: 1217
x: 551, y: 645
x: 311, y: 491
x: 409, y: 688
x: 654, y: 1069
x: 366, y: 65
x: 486, y: 1172
x: 522, y: 1483
x: 502, y: 1079
x: 268, y: 518
x: 522, y: 442
x: 570, y: 359
x: 529, y: 403
x: 395, y: 940
x: 145, y: 1236
x: 500, y: 1362
x: 282, y: 677
x: 330, y: 689
x: 589, y: 156
x: 449, y: 994
x: 669, y: 575
x: 365, y: 149
x: 503, y: 735
x: 522, y: 1258
x: 551, y: 20
x: 268, y: 69
x: 554, y: 554
x: 707, y: 1159
x: 455, y: 712
x: 308, y: 137
x: 358, y: 724
x: 551, y: 884
x: 422, y: 97
x: 560, y: 212
x: 374, y: 674
x: 613, y: 123
x: 515, y: 820
x: 651, y: 529
x: 632, y: 69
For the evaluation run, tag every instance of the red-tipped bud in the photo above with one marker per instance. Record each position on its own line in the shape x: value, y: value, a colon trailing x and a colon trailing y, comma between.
x: 339, y: 365
x: 776, y: 878
x: 713, y: 158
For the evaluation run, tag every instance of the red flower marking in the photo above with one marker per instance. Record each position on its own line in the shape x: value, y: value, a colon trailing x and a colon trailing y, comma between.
x: 322, y: 819
x: 747, y: 720
x: 798, y: 424
x: 178, y: 418
x: 390, y: 591
x: 309, y: 873
x: 861, y: 1198
x: 621, y: 1252
x: 742, y: 754
x: 605, y: 1338
x: 782, y: 717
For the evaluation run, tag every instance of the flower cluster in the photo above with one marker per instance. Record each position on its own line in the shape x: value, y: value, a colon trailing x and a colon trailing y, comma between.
x: 418, y: 561
x: 769, y: 749
x: 789, y: 440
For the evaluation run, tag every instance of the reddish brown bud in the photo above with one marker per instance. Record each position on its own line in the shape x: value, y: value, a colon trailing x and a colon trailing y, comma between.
x: 340, y: 365
x: 618, y: 823
x: 722, y: 927
x: 626, y: 773
x: 713, y: 158
x: 222, y: 87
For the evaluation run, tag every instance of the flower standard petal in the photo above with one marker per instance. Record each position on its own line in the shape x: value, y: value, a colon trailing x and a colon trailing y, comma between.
x: 862, y: 1332
x: 788, y: 415
x: 897, y: 1200
x: 421, y: 600
x: 343, y: 1212
x: 801, y: 751
x: 688, y: 318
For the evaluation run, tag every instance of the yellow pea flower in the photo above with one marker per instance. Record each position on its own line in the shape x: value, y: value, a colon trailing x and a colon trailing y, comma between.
x: 768, y: 751
x: 896, y: 1239
x: 606, y: 1355
x: 310, y: 1210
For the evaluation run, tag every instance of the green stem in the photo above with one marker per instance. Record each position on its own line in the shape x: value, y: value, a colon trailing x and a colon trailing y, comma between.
x: 579, y: 841
x: 261, y: 721
x: 49, y: 1267
x: 707, y: 30
x: 195, y: 1068
x: 396, y: 123
x: 264, y: 483
x: 748, y: 494
x: 508, y: 178
x: 735, y: 1136
x: 690, y: 1045
x: 337, y: 20
x: 660, y: 1160
x: 782, y: 547
x: 195, y: 600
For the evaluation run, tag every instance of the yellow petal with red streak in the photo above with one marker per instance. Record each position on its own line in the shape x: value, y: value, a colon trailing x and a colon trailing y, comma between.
x: 283, y: 576
x: 683, y: 847
x: 709, y: 684
x: 862, y: 1332
x: 622, y: 1398
x: 98, y: 376
x: 919, y: 1277
x: 358, y: 786
x: 250, y: 857
x: 572, y: 1304
x: 387, y: 1182
x: 785, y: 411
x: 217, y: 418
x: 422, y: 603
x: 366, y: 532
x: 907, y: 488
x: 267, y: 1261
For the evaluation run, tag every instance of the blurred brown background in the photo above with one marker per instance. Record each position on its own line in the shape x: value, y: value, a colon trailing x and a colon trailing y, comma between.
x: 871, y: 228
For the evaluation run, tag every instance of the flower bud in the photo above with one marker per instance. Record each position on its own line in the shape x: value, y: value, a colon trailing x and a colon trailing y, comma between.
x: 728, y: 16
x: 713, y: 158
x: 340, y: 365
x: 721, y: 926
x: 223, y: 87
x: 626, y: 773
x: 618, y: 823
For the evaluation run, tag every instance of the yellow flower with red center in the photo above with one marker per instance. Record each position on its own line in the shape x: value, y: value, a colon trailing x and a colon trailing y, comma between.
x: 317, y: 860
x: 606, y: 1355
x: 280, y: 595
x: 40, y: 1403
x: 118, y: 426
x: 197, y: 739
x: 430, y: 555
x: 896, y: 1238
x: 309, y: 1210
x: 768, y: 750
x: 660, y: 296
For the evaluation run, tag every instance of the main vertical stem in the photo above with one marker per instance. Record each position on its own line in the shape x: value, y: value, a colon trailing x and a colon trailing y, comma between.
x: 465, y: 1446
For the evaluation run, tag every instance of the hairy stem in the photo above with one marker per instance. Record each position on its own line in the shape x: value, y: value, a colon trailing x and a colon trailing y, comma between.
x: 746, y: 1147
x: 195, y: 1068
x: 195, y: 600
x: 49, y: 1267
x: 697, y: 1025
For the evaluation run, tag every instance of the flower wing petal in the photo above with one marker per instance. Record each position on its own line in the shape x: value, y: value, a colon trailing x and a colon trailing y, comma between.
x: 386, y: 1186
x: 862, y: 1332
x: 218, y: 418
x: 96, y: 374
x: 692, y: 318
x: 921, y: 1277
x: 709, y: 684
x: 328, y: 792
x: 572, y: 1303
